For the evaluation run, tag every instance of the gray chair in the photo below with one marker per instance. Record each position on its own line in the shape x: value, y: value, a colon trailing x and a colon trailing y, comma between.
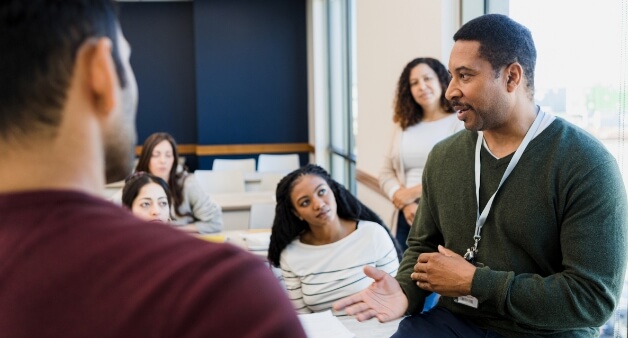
x: 245, y: 165
x: 262, y: 215
x: 269, y: 180
x: 278, y: 163
x: 220, y: 182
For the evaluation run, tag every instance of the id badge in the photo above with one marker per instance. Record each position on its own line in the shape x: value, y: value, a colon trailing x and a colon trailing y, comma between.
x: 467, y: 300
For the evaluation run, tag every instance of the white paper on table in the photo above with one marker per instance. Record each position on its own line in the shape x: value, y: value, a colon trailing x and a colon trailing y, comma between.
x: 324, y: 325
x: 257, y: 240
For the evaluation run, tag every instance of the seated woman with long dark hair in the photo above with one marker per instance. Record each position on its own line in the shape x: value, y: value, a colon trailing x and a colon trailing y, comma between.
x: 322, y: 237
x: 147, y: 196
x: 191, y: 208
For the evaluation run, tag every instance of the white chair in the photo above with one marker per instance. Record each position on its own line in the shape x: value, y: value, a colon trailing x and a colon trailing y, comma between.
x: 262, y: 215
x: 269, y: 181
x: 279, y: 163
x: 220, y: 182
x: 245, y: 165
x: 181, y: 165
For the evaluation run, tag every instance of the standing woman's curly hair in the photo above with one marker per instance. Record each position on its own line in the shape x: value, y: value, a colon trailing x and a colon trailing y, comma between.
x: 174, y: 179
x: 407, y: 111
x: 287, y: 226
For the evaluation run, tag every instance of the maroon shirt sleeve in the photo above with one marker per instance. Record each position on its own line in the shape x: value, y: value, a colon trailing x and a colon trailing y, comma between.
x: 75, y: 266
x: 238, y: 297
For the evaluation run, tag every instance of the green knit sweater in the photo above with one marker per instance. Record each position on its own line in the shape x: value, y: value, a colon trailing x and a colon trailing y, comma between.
x: 554, y: 245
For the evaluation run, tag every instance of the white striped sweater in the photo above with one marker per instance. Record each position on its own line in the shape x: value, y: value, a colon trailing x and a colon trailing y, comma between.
x: 318, y: 275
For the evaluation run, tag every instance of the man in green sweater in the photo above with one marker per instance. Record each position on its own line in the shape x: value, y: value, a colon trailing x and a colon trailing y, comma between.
x: 522, y: 226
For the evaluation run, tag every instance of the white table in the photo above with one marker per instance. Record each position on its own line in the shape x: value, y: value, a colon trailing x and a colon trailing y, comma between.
x: 371, y: 328
x: 242, y: 201
x: 111, y: 189
x: 236, y: 207
x: 236, y: 237
x: 252, y: 181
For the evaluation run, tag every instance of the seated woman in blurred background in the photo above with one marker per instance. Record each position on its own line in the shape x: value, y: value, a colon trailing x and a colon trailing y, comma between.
x: 147, y: 196
x: 192, y: 209
x: 322, y: 237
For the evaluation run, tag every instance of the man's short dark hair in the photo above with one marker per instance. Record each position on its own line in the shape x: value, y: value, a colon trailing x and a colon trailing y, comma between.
x: 502, y: 42
x: 39, y: 41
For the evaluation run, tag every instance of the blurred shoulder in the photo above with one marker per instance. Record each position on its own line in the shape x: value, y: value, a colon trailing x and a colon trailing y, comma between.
x: 187, y: 180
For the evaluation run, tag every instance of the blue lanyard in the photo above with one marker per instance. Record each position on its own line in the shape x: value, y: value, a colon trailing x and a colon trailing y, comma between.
x: 481, y: 218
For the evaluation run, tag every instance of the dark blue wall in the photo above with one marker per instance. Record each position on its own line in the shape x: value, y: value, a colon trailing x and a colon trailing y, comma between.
x: 214, y: 72
x: 251, y: 72
x: 161, y: 35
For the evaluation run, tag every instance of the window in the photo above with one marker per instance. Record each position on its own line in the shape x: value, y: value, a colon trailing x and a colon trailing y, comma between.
x: 579, y: 64
x: 341, y: 101
x: 581, y: 76
x: 332, y: 79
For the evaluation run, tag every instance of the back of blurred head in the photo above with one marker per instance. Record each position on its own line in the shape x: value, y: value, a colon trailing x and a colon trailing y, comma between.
x: 59, y: 62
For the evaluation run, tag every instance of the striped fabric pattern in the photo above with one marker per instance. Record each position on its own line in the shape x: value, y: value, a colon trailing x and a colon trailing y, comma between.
x: 318, y: 275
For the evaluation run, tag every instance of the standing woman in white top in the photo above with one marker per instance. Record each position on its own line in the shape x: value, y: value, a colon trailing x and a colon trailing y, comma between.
x: 323, y: 237
x: 192, y: 209
x: 422, y: 117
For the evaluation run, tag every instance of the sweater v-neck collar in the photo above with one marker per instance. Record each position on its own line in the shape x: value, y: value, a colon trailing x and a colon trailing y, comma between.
x: 495, y: 162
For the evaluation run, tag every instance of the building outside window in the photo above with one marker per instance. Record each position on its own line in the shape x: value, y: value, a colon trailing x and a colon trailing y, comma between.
x: 581, y: 76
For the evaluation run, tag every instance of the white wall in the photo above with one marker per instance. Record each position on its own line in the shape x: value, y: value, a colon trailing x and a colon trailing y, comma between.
x: 389, y: 34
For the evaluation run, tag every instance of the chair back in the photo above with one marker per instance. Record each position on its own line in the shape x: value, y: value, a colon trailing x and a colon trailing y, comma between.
x: 220, y: 182
x: 262, y: 215
x: 269, y: 181
x: 278, y: 163
x: 245, y: 165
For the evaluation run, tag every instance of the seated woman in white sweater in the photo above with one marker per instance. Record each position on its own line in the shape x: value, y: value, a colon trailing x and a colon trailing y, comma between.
x: 322, y: 237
